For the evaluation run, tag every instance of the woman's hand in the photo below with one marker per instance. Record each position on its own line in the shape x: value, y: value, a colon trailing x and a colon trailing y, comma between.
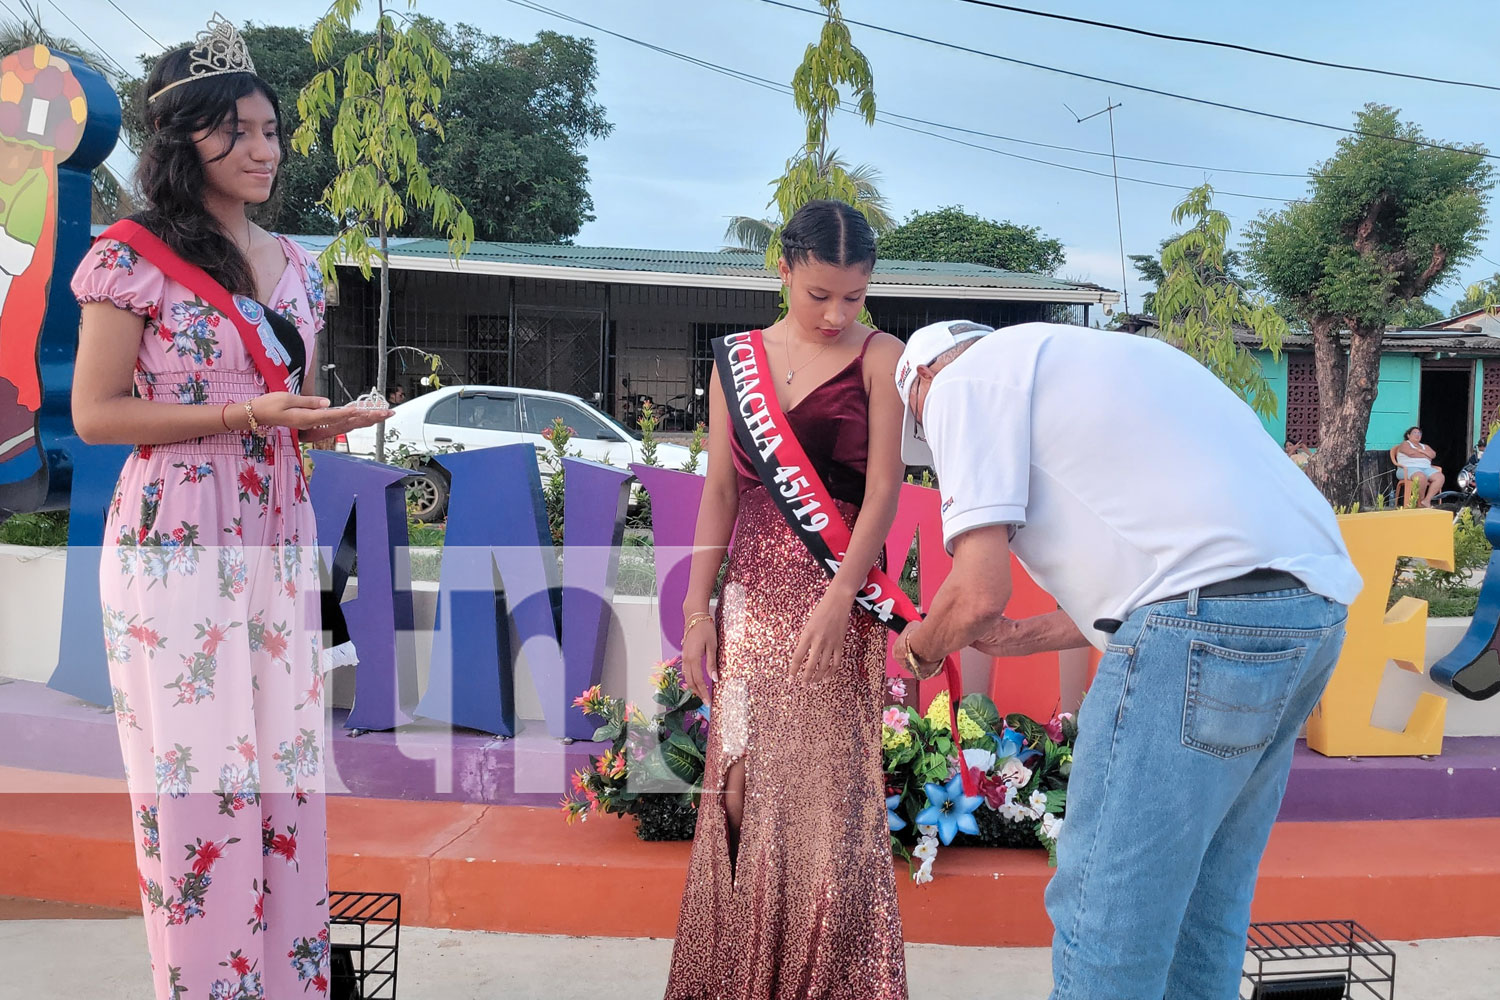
x: 820, y: 647
x: 700, y: 659
x: 342, y: 420
x: 312, y: 413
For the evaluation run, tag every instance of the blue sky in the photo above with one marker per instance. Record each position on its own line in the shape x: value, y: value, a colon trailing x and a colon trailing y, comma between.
x: 691, y: 147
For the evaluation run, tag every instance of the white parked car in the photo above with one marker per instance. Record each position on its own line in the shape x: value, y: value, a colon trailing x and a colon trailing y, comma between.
x: 486, y: 416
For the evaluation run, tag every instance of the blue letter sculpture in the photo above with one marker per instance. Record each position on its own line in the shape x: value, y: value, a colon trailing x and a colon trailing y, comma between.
x: 500, y: 571
x: 1473, y: 668
x: 366, y: 500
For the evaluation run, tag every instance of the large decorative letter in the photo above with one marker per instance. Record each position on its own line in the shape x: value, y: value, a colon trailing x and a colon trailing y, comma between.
x: 368, y: 501
x: 1340, y: 726
x: 1473, y: 667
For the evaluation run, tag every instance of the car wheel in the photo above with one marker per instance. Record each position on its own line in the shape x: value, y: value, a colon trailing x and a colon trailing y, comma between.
x: 427, y: 496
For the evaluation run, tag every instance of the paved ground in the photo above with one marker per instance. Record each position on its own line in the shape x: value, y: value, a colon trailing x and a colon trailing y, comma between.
x: 57, y: 951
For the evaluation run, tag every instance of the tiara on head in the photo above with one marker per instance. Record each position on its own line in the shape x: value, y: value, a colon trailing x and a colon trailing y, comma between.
x: 219, y: 49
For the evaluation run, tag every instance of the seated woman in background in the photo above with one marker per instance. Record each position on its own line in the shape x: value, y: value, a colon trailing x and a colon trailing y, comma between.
x: 1299, y: 452
x: 1413, y: 461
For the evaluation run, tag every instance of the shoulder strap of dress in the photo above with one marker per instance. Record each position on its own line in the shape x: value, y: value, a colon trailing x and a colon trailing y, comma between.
x: 866, y: 345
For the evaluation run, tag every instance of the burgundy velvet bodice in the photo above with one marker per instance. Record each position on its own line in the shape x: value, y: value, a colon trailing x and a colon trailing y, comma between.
x: 833, y: 425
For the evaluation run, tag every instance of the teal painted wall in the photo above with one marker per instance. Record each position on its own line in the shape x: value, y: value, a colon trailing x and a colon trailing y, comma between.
x: 1275, y: 372
x: 1397, y: 400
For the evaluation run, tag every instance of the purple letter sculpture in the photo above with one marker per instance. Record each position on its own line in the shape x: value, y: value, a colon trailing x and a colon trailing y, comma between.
x: 593, y: 529
x: 674, y: 516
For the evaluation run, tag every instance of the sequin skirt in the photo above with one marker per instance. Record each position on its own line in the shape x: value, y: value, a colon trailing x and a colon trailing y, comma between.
x: 808, y: 910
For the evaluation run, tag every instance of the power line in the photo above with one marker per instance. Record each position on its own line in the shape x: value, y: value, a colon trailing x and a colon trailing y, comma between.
x: 97, y: 47
x: 1228, y: 45
x: 137, y: 24
x: 889, y: 118
x: 1095, y: 152
x: 1134, y: 86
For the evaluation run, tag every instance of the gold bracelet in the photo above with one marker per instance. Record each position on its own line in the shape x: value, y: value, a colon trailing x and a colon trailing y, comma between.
x: 694, y: 620
x: 250, y: 412
x: 915, y: 666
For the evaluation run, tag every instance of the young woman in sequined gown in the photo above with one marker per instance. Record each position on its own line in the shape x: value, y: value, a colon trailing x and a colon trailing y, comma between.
x: 791, y: 891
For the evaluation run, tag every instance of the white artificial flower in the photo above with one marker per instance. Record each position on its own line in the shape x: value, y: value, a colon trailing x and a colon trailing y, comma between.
x: 1052, y: 826
x: 923, y: 875
x: 981, y: 758
x: 1011, y: 810
x: 1015, y: 774
x: 928, y: 831
x: 1038, y: 803
x: 924, y: 850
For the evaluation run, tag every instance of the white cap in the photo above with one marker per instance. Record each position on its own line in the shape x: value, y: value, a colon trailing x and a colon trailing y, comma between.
x: 923, y: 348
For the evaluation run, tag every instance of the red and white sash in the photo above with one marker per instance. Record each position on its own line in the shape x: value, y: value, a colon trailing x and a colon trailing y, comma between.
x: 246, y: 314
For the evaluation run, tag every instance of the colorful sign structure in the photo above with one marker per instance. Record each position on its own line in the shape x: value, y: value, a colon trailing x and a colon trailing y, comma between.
x: 59, y: 119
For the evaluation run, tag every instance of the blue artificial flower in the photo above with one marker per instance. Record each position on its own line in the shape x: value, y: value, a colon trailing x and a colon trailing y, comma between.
x: 703, y: 711
x: 950, y: 810
x: 1009, y: 743
x: 891, y: 819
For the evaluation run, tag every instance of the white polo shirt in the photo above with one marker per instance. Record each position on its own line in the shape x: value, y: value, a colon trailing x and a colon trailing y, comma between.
x: 1129, y: 471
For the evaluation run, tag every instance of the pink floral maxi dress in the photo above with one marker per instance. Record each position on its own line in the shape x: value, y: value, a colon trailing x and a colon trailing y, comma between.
x: 209, y: 586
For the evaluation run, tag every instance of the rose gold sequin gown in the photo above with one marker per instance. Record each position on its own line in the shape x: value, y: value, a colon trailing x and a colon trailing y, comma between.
x: 807, y: 910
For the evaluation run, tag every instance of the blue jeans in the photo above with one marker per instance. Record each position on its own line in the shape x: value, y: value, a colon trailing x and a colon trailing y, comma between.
x: 1184, y: 744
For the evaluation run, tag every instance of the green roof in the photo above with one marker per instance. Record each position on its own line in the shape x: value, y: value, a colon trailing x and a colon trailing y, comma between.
x: 738, y: 267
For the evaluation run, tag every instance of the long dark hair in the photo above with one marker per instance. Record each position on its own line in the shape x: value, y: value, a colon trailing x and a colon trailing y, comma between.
x: 833, y: 232
x: 170, y: 173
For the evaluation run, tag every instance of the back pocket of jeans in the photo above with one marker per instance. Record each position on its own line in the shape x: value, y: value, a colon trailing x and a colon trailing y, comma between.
x: 1235, y: 698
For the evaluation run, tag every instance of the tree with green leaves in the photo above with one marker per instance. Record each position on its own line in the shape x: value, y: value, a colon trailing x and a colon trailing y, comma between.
x: 1417, y: 313
x: 816, y: 172
x: 517, y: 116
x: 959, y: 237
x: 1200, y: 306
x: 1391, y: 215
x: 1480, y: 295
x: 1148, y: 266
x: 380, y: 101
x: 749, y: 234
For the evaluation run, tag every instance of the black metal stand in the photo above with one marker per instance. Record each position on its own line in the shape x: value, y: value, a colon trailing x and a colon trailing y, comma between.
x: 364, y: 932
x: 1317, y: 960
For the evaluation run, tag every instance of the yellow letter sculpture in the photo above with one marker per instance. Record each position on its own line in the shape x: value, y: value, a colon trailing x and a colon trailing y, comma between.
x: 1340, y: 726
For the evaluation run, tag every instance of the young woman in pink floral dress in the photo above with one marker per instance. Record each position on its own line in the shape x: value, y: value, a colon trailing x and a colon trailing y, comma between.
x: 209, y: 573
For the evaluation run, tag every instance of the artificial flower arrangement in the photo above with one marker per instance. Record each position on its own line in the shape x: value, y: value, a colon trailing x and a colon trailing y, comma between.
x: 1022, y: 770
x: 653, y: 770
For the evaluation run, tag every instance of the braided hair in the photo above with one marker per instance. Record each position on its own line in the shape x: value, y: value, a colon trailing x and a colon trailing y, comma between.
x: 833, y: 232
